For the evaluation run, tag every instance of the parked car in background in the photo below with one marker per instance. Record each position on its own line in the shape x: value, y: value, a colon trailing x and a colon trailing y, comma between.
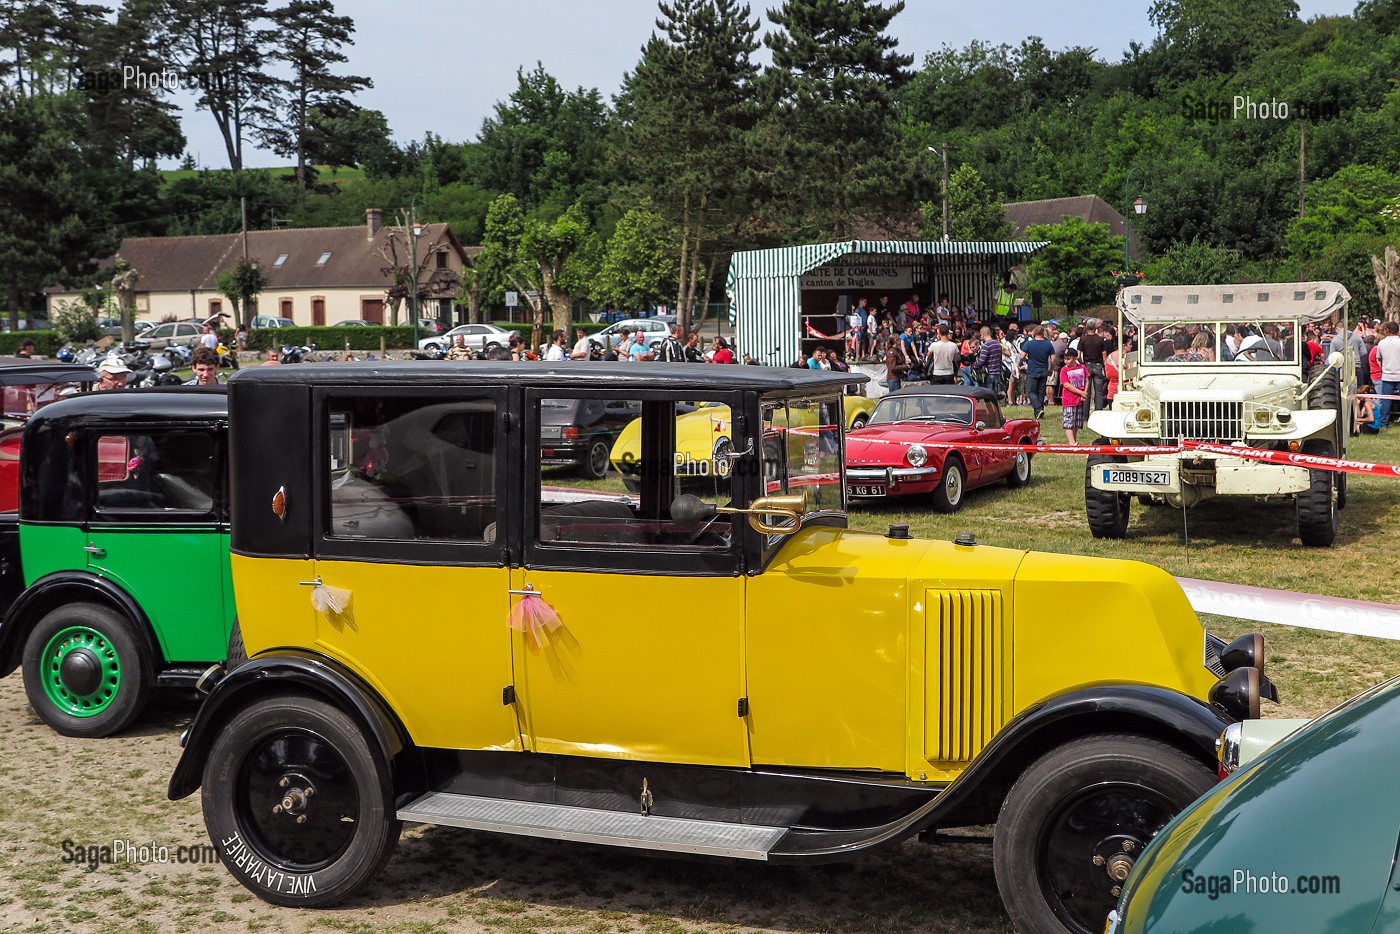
x: 112, y: 327
x: 431, y: 327
x: 355, y: 323
x: 171, y: 333
x: 479, y: 337
x: 581, y: 432
x: 904, y: 451
x: 271, y: 321
x: 1301, y: 839
x: 654, y: 330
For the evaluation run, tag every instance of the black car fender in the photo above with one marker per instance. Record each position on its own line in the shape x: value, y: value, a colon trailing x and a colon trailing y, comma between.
x: 287, y: 671
x: 58, y: 588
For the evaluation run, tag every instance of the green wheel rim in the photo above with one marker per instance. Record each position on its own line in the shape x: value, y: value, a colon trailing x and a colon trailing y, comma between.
x: 65, y: 643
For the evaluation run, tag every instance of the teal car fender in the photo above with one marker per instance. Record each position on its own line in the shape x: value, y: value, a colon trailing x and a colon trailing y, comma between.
x: 1302, y: 839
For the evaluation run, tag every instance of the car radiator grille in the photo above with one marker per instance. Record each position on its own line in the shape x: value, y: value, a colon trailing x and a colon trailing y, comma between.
x: 1202, y: 421
x: 968, y: 648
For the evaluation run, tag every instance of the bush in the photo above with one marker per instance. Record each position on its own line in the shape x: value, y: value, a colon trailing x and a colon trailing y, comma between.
x: 46, y: 343
x: 327, y: 338
x: 76, y: 322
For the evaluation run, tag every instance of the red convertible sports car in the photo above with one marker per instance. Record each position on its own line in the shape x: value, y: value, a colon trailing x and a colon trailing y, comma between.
x: 903, y: 450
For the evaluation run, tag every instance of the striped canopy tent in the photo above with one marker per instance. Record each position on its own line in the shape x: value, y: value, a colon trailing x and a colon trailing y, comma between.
x: 770, y: 298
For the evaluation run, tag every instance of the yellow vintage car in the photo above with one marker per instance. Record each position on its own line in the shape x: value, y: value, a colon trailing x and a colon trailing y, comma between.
x: 433, y: 632
x: 705, y: 437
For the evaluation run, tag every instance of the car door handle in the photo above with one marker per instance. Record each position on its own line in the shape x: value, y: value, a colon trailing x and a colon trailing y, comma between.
x: 95, y: 550
x: 315, y: 582
x: 527, y: 592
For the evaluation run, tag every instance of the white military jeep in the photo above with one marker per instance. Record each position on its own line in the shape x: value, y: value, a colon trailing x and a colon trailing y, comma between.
x: 1224, y: 364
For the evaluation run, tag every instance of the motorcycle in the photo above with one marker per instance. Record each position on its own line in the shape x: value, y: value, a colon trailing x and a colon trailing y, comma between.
x: 292, y: 354
x: 160, y: 371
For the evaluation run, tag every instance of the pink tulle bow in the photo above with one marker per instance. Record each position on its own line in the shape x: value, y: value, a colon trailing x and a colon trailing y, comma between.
x: 536, y: 619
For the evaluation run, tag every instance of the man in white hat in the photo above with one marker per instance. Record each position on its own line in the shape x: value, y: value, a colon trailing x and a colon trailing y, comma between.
x: 112, y: 373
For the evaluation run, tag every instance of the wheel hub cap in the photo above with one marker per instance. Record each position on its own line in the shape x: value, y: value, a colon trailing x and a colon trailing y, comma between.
x: 81, y: 672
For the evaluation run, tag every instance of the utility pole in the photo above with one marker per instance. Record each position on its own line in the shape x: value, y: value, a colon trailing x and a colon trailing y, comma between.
x: 413, y: 259
x: 944, y: 155
x: 1302, y: 164
x: 241, y: 313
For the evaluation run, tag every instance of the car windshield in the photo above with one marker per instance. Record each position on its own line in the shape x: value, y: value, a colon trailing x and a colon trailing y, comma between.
x: 1241, y: 341
x: 802, y: 451
x: 956, y: 410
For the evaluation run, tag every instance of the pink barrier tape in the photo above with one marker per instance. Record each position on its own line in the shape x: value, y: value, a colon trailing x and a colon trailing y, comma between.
x: 1296, y: 460
x: 1286, y: 608
x: 1372, y: 395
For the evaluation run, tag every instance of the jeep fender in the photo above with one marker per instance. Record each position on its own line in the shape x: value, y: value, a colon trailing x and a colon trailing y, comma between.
x: 64, y: 587
x: 291, y: 671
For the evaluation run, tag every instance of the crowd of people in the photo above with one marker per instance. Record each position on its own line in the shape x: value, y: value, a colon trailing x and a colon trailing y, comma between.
x: 626, y: 346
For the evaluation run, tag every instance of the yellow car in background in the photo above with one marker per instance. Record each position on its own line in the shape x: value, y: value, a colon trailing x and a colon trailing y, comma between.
x: 705, y: 435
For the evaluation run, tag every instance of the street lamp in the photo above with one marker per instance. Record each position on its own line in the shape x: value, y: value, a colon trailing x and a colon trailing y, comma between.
x: 944, y: 156
x: 1139, y: 207
x: 415, y: 230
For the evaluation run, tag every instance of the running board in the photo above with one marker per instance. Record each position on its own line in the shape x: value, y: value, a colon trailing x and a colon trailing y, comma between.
x: 591, y: 825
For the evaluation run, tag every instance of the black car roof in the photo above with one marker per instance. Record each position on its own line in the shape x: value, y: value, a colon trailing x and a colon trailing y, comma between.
x: 165, y: 403
x: 20, y: 371
x: 943, y: 389
x: 572, y: 375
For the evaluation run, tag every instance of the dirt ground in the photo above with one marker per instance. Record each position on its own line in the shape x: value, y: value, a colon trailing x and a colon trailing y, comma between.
x: 92, y: 793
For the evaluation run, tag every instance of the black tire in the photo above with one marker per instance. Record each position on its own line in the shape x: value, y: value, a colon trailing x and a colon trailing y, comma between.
x: 1020, y: 471
x: 87, y: 670
x: 349, y: 830
x: 859, y: 422
x: 594, y: 465
x: 952, y: 486
x: 1107, y: 512
x: 1317, y: 507
x: 237, y: 651
x: 432, y: 348
x: 491, y: 347
x: 1098, y: 796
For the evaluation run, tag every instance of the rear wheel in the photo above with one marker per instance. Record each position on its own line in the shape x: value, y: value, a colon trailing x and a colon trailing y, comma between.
x: 1317, y: 507
x: 1076, y: 820
x: 948, y: 495
x: 1107, y: 512
x: 1020, y: 471
x: 87, y: 671
x: 298, y: 803
x: 595, y: 463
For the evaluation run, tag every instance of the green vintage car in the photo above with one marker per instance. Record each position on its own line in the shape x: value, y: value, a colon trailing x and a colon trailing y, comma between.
x: 1301, y: 839
x: 122, y: 538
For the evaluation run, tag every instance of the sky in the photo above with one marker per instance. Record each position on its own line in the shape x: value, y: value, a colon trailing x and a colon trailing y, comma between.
x: 441, y: 65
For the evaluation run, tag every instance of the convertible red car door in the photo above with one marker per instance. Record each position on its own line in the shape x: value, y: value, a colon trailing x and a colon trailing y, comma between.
x: 990, y: 465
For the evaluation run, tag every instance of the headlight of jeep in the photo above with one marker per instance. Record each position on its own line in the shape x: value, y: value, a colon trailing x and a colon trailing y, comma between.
x: 917, y: 455
x: 1144, y: 417
x: 1284, y: 416
x: 1262, y: 418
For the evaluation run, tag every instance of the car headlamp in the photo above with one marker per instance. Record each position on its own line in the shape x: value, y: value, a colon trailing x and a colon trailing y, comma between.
x: 1239, y: 692
x: 917, y: 455
x: 1262, y: 417
x: 1245, y: 652
x: 1143, y: 417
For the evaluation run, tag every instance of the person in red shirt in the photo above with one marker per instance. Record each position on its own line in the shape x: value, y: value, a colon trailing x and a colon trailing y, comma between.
x: 722, y: 353
x: 1074, y: 389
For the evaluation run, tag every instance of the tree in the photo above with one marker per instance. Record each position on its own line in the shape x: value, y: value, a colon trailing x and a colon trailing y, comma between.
x: 500, y: 264
x: 398, y: 252
x: 686, y: 111
x: 1220, y: 36
x: 974, y: 210
x: 307, y: 37
x: 1073, y: 269
x: 123, y: 285
x: 1195, y: 263
x: 639, y: 268
x: 127, y: 88
x: 833, y: 151
x: 220, y: 48
x: 56, y: 198
x: 550, y: 246
x: 240, y: 285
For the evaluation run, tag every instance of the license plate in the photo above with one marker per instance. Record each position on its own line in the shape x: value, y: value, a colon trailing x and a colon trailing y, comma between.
x: 865, y: 489
x: 1136, y: 477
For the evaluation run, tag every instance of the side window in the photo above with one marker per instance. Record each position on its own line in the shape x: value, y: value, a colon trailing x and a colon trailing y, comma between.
x: 988, y: 414
x: 156, y: 472
x: 598, y: 485
x: 802, y: 451
x: 412, y: 468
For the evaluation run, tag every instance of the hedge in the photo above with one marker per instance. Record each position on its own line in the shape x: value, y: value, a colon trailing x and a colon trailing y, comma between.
x: 46, y: 343
x: 360, y: 338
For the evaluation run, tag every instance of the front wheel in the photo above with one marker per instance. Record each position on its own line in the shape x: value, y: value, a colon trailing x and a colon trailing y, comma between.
x: 1077, y: 819
x: 1317, y: 506
x: 87, y: 671
x: 1107, y: 512
x: 491, y: 347
x: 948, y: 495
x: 297, y: 803
x: 859, y: 422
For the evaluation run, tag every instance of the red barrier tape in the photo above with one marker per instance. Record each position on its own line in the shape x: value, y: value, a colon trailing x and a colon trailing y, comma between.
x: 1296, y: 460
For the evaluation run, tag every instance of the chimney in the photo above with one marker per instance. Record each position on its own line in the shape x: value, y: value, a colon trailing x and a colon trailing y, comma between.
x: 374, y: 219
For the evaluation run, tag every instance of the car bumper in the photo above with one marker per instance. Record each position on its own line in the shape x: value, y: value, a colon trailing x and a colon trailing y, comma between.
x: 1223, y: 475
x: 896, y: 481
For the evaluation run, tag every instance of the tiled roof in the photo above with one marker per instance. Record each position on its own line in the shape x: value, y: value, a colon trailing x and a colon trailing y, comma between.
x: 179, y: 264
x: 1092, y: 208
